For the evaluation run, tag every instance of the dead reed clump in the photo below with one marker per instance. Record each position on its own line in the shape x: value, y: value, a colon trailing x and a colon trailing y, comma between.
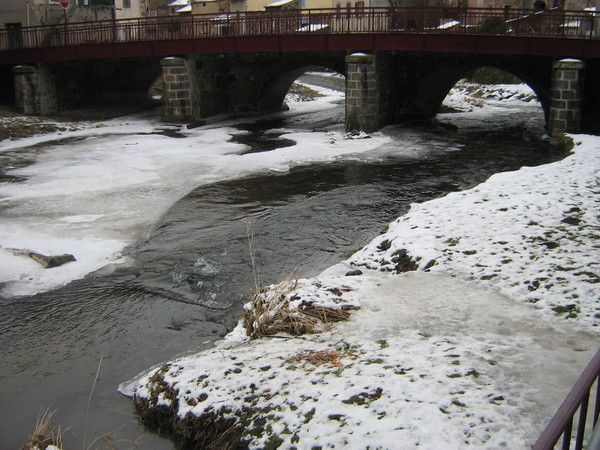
x: 271, y: 312
x: 327, y: 315
x: 303, y: 93
x: 45, y: 433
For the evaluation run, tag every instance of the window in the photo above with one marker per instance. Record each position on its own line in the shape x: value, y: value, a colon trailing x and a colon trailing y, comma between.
x: 126, y: 3
x: 360, y: 8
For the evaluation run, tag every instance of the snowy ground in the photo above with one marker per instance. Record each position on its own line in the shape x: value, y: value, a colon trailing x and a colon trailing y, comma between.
x: 418, y: 364
x: 532, y: 234
x: 475, y: 346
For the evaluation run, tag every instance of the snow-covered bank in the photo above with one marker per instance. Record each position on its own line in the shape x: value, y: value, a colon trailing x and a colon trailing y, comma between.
x: 530, y: 233
x: 455, y: 354
x: 420, y: 364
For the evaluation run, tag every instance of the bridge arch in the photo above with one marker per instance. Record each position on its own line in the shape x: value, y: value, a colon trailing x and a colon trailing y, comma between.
x: 277, y: 88
x: 434, y: 87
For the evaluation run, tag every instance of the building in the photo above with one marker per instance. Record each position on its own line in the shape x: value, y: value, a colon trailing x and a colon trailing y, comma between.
x: 130, y: 9
x: 23, y: 13
x: 210, y: 6
x: 157, y: 7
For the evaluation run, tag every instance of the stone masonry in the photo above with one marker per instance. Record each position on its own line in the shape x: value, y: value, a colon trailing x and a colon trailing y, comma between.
x: 362, y: 97
x: 177, y: 93
x: 565, y: 106
x: 34, y: 90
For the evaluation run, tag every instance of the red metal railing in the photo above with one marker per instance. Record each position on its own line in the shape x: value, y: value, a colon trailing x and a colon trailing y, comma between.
x: 578, y: 398
x: 513, y: 22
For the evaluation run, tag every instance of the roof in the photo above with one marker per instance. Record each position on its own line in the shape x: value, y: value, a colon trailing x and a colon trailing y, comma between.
x: 187, y: 8
x: 279, y: 3
x: 178, y: 3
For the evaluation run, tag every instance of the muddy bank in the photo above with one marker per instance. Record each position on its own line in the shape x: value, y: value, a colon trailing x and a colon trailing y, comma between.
x: 14, y: 125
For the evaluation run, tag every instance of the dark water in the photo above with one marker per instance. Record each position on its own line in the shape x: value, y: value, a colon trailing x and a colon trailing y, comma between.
x: 188, y: 279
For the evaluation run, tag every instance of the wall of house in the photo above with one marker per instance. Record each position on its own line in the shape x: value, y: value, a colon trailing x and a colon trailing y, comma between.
x: 528, y: 4
x: 13, y: 12
x: 157, y: 7
x: 257, y: 5
x: 137, y: 8
x: 316, y: 4
x: 210, y: 7
x: 39, y: 12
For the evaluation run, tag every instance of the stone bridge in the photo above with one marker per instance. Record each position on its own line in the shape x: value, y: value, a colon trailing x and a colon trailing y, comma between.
x: 399, y: 63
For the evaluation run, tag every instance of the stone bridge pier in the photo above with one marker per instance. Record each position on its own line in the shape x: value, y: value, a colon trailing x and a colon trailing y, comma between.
x: 47, y: 88
x: 199, y: 86
x: 381, y: 88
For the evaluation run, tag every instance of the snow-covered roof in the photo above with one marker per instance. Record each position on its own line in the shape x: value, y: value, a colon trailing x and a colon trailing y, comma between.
x: 279, y: 3
x: 179, y: 3
x: 449, y: 24
x: 313, y: 27
x: 187, y: 8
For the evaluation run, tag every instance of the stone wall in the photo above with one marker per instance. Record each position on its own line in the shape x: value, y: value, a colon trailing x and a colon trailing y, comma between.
x: 565, y: 107
x: 362, y: 96
x: 200, y: 86
x: 177, y: 91
x: 35, y: 91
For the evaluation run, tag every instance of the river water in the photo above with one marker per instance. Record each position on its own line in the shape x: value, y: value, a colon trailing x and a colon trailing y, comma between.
x: 190, y: 276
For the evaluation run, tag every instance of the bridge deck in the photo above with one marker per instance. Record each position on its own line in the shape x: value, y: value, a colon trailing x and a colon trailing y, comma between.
x: 555, y: 33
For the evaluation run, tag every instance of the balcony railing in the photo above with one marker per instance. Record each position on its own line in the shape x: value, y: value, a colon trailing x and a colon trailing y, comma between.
x: 578, y: 399
x: 447, y: 21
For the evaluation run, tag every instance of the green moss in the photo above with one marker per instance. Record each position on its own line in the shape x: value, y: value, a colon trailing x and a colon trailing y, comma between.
x: 383, y: 344
x: 273, y: 443
x: 571, y: 310
x: 309, y: 415
x: 364, y: 397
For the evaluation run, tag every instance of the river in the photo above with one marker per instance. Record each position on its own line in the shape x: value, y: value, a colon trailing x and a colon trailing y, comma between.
x: 186, y: 280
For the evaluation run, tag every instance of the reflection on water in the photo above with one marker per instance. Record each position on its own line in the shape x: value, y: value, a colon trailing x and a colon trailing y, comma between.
x: 189, y: 279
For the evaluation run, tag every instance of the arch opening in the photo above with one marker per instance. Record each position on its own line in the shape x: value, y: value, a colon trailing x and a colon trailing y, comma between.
x: 489, y: 86
x: 305, y: 86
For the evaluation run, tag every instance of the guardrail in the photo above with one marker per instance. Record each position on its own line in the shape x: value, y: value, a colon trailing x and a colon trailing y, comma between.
x: 578, y: 399
x: 513, y: 22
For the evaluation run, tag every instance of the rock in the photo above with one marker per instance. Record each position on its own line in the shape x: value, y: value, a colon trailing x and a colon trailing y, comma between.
x: 196, y: 124
x: 48, y: 262
x: 353, y: 273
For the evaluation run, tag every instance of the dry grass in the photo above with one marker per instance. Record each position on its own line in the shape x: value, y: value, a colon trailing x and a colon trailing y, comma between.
x: 270, y: 312
x: 318, y: 358
x: 302, y: 93
x: 45, y: 433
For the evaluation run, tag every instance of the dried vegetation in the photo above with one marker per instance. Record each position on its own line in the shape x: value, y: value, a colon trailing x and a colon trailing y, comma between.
x: 274, y: 310
x: 45, y: 433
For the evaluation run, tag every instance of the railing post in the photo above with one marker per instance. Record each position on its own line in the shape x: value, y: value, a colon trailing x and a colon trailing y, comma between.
x: 581, y: 422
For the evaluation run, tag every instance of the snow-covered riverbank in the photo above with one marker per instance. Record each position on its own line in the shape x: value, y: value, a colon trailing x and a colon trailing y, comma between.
x: 476, y: 313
